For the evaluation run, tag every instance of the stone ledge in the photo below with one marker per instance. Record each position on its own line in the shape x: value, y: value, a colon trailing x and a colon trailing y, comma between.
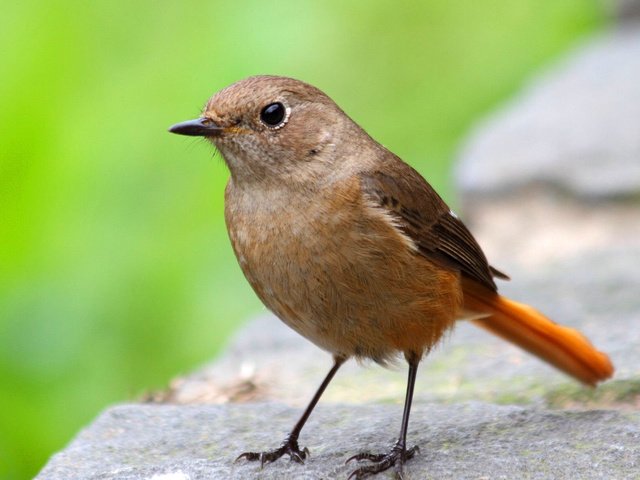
x: 463, y: 441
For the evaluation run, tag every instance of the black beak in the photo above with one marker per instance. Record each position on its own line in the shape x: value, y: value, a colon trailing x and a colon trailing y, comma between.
x: 200, y: 127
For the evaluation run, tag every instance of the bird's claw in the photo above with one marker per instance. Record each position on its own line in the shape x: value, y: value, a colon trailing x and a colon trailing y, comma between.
x: 289, y: 447
x: 382, y: 461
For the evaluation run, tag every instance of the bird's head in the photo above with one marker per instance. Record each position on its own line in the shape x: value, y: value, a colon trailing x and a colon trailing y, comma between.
x: 269, y: 127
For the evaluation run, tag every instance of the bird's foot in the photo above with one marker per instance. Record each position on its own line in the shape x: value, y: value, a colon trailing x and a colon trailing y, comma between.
x: 289, y: 447
x: 382, y: 461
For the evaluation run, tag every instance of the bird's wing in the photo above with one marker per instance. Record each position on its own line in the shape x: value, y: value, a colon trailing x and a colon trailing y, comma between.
x: 422, y: 215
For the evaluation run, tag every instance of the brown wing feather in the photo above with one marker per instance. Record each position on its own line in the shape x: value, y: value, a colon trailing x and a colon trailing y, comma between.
x: 439, y: 235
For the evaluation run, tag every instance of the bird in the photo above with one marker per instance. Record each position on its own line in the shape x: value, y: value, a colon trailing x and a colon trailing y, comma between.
x: 353, y: 249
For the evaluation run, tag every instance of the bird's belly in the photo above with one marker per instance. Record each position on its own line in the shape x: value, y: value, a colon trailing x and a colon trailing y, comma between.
x: 347, y: 285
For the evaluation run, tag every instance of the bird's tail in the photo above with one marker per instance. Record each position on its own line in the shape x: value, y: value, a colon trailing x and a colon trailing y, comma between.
x: 563, y: 347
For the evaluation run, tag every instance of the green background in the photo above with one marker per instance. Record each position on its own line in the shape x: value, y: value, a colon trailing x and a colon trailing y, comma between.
x: 115, y: 270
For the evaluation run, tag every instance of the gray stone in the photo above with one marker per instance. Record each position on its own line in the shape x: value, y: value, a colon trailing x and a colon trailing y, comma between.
x: 625, y: 10
x: 575, y: 128
x: 530, y: 229
x: 463, y: 441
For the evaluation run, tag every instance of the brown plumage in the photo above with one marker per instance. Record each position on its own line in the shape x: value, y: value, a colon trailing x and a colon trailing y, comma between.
x: 352, y: 248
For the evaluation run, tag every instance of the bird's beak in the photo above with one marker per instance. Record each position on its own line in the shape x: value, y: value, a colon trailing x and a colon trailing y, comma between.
x: 200, y: 127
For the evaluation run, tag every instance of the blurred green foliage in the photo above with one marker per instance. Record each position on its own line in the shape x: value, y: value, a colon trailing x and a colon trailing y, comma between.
x: 115, y: 270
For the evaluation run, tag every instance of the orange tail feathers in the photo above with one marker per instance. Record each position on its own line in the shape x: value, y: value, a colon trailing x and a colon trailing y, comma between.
x: 563, y: 347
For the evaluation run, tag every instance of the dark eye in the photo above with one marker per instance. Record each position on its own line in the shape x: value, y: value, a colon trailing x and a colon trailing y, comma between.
x: 273, y: 114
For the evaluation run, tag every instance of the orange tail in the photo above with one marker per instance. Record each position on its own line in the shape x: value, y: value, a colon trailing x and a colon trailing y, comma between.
x: 563, y: 347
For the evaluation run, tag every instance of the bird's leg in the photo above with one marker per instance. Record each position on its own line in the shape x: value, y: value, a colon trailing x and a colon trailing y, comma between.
x: 399, y: 452
x: 290, y: 444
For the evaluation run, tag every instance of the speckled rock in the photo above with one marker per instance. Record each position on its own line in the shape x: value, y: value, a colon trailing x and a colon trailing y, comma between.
x: 463, y: 441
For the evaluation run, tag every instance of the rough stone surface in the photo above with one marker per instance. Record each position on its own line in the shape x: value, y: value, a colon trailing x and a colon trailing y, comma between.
x: 576, y: 128
x: 463, y: 441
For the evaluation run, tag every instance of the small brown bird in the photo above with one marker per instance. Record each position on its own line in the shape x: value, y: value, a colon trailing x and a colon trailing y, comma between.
x: 353, y: 249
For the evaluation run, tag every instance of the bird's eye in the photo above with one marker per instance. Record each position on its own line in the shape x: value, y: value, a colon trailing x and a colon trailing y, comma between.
x: 274, y: 115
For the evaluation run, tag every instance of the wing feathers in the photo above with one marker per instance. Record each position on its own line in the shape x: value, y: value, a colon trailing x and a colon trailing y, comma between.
x: 428, y: 221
